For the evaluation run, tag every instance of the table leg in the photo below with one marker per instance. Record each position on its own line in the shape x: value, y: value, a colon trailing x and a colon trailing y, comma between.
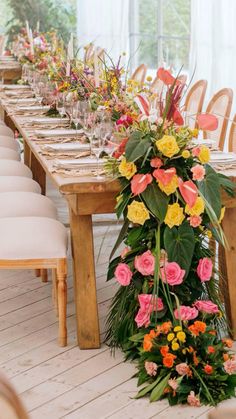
x: 84, y: 281
x: 38, y: 173
x: 27, y: 154
x: 229, y: 262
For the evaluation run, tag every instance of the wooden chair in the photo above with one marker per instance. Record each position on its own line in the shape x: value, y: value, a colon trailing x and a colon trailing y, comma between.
x: 140, y: 74
x: 10, y: 405
x: 220, y: 106
x: 194, y: 102
x: 232, y: 136
x: 20, y: 250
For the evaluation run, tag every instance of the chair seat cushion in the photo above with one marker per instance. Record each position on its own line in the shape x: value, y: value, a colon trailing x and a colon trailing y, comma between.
x: 4, y: 130
x: 32, y: 238
x: 9, y: 143
x: 14, y: 168
x: 18, y: 183
x: 9, y: 153
x: 26, y: 204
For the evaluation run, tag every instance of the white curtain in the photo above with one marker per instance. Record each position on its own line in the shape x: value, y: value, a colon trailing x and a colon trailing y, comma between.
x: 105, y: 23
x: 213, y: 43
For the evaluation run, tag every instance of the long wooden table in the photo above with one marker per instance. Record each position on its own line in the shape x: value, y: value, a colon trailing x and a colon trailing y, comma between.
x: 87, y: 196
x: 10, y: 71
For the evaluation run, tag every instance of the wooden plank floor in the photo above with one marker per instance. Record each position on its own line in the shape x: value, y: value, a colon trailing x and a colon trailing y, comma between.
x: 66, y: 382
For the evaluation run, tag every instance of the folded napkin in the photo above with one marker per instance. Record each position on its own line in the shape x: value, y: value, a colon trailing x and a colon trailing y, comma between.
x: 66, y: 147
x: 64, y: 155
x: 58, y: 132
x: 85, y: 163
x: 78, y: 172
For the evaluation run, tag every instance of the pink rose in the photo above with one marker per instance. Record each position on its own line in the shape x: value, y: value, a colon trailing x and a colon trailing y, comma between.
x: 123, y: 274
x: 145, y: 263
x: 139, y: 183
x: 186, y: 313
x: 230, y: 366
x: 182, y: 369
x: 124, y: 252
x: 198, y: 172
x: 195, y: 220
x: 151, y: 368
x: 193, y: 400
x: 207, y: 306
x: 148, y: 303
x: 196, y: 151
x: 156, y: 162
x: 204, y: 269
x: 172, y: 273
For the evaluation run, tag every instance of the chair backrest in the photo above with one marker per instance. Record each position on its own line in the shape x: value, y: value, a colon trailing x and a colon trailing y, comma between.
x: 140, y: 73
x: 220, y: 106
x: 157, y: 85
x: 10, y: 404
x: 194, y: 101
x: 232, y: 136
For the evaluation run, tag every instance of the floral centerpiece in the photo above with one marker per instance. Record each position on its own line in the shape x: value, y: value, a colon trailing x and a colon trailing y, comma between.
x: 167, y: 313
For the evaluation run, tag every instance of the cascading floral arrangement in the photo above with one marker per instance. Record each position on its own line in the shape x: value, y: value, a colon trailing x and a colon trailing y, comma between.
x: 167, y: 313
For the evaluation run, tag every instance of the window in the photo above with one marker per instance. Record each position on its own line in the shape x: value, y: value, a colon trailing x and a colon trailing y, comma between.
x: 160, y: 33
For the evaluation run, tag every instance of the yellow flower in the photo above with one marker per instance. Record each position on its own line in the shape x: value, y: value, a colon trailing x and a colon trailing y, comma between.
x: 181, y: 336
x: 177, y: 329
x: 174, y: 215
x: 149, y: 78
x: 175, y: 346
x: 209, y: 234
x: 167, y: 145
x: 197, y: 209
x: 204, y: 155
x: 170, y: 337
x: 185, y: 154
x: 171, y: 187
x: 127, y: 169
x: 137, y: 213
x: 222, y: 214
x: 195, y: 132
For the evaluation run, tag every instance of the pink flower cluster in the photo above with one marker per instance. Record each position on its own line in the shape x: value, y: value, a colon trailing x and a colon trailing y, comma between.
x: 148, y: 303
x: 185, y: 313
x: 193, y: 400
x: 151, y: 368
x: 230, y: 366
x: 172, y: 273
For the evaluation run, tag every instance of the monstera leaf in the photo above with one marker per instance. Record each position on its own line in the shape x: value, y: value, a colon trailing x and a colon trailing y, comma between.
x: 156, y: 201
x: 137, y: 146
x: 179, y: 243
x: 210, y: 188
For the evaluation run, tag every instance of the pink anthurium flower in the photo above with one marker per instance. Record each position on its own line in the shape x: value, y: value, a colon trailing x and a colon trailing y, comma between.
x: 177, y: 117
x: 188, y: 191
x: 164, y: 176
x: 207, y: 122
x: 166, y: 76
x: 140, y: 182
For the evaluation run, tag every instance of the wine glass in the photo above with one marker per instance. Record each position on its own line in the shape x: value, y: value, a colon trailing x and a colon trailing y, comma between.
x: 97, y: 148
x: 106, y: 130
x: 75, y: 115
x: 60, y: 104
x: 89, y: 124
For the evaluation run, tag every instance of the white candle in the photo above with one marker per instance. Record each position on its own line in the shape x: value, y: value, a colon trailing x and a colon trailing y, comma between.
x: 96, y: 68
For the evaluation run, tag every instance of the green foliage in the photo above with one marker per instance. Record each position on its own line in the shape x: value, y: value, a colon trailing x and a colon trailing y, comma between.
x: 210, y: 188
x: 137, y: 146
x: 156, y: 201
x: 51, y: 15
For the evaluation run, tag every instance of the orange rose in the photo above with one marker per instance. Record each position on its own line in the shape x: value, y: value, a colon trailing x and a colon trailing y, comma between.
x: 195, y: 359
x: 208, y: 369
x: 211, y: 349
x: 168, y: 360
x: 197, y: 327
x: 152, y: 334
x: 165, y: 327
x: 225, y: 357
x: 147, y: 343
x: 164, y: 350
x: 228, y: 342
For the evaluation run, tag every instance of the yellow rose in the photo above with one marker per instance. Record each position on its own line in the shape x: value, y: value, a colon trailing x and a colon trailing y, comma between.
x: 204, y: 155
x: 175, y: 346
x: 195, y: 132
x: 137, y: 213
x: 167, y: 145
x: 127, y: 169
x: 181, y: 336
x: 197, y: 209
x: 171, y: 187
x: 185, y: 154
x: 222, y: 214
x: 170, y: 337
x: 174, y: 215
x: 177, y: 329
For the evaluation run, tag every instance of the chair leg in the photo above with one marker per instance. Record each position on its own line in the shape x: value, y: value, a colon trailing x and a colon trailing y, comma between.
x: 37, y: 273
x: 44, y: 275
x: 55, y: 290
x: 62, y: 302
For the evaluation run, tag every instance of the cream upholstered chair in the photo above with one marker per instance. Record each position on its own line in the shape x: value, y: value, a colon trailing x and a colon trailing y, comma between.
x: 20, y: 250
x: 194, y: 102
x: 18, y: 183
x: 220, y: 106
x: 14, y: 168
x: 4, y: 130
x: 140, y: 73
x: 9, y: 142
x: 10, y: 405
x: 9, y: 154
x: 232, y: 136
x: 26, y: 204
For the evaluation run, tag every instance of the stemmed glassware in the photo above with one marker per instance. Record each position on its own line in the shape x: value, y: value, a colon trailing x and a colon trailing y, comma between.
x: 97, y: 147
x: 60, y: 104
